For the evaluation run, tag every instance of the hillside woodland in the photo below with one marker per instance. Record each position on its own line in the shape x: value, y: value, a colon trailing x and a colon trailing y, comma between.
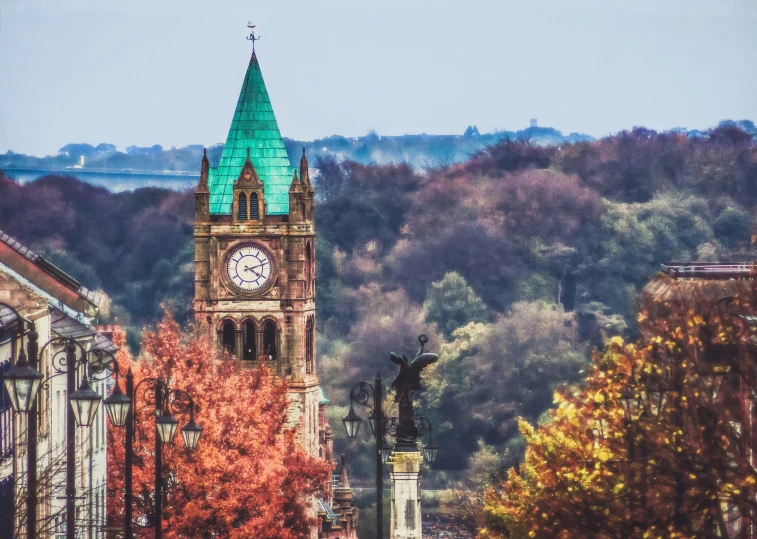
x: 516, y: 263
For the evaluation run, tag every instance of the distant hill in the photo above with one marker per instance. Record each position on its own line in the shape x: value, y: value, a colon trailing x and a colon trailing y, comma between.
x: 422, y: 151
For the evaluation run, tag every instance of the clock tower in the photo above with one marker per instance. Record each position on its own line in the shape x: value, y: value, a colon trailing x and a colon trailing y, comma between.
x: 255, y: 254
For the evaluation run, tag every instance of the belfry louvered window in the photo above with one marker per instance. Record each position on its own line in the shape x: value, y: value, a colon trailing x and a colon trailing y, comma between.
x: 242, y: 207
x: 254, y: 207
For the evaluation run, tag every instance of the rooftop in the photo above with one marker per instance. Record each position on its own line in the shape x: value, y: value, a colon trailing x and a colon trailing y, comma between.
x: 66, y: 327
x: 253, y: 128
x: 47, y: 267
x: 714, y: 270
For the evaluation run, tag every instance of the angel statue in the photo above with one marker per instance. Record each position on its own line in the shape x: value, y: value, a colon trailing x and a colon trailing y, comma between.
x: 407, y: 381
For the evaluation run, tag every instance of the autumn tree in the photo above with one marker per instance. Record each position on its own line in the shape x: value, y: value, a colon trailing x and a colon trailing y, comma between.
x: 248, y: 477
x: 658, y: 439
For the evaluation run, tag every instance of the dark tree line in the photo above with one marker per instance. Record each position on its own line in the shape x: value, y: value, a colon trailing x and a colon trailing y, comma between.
x: 562, y: 235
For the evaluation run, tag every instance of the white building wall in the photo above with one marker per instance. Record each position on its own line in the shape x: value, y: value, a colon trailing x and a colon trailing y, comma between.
x: 91, y: 462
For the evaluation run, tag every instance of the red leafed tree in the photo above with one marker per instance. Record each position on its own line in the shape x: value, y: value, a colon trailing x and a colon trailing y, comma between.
x: 248, y: 476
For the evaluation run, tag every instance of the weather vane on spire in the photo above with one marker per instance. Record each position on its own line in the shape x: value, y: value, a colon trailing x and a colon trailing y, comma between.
x: 252, y: 37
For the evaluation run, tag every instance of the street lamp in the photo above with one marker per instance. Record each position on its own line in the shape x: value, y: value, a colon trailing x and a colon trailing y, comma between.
x: 352, y: 423
x: 117, y: 405
x: 191, y: 431
x: 85, y: 403
x: 629, y: 399
x: 424, y: 427
x: 157, y: 393
x: 656, y: 397
x: 429, y: 451
x: 22, y: 382
x: 166, y: 424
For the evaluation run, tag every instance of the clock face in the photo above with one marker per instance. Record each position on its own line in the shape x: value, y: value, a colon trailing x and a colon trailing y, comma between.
x: 249, y: 268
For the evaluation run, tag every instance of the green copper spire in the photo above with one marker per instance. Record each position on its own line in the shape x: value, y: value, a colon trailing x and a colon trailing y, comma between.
x: 254, y: 126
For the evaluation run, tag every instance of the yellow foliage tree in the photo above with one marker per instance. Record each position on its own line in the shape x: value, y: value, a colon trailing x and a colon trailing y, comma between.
x: 659, y: 439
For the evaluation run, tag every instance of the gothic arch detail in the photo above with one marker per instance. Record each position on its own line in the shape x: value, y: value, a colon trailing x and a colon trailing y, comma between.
x: 308, y: 269
x: 249, y: 340
x: 310, y: 345
x: 270, y: 340
x: 228, y: 337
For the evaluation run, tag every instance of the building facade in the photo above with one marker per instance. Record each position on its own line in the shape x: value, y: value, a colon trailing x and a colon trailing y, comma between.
x: 60, y: 309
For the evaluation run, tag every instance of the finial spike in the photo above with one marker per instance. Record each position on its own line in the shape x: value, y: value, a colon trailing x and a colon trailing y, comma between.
x: 204, y: 152
x: 303, y: 151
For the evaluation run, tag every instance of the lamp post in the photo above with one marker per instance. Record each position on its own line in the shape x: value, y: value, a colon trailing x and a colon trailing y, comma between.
x: 405, y: 429
x: 363, y: 393
x: 157, y: 394
x: 23, y: 382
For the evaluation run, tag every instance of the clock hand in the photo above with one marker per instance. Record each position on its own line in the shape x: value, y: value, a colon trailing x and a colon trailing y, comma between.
x: 247, y: 268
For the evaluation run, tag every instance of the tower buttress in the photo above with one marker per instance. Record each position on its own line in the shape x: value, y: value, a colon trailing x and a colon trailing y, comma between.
x: 202, y: 193
x: 296, y: 201
x: 307, y: 189
x: 202, y: 236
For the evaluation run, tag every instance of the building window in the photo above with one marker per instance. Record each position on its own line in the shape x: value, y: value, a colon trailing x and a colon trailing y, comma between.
x: 242, y: 214
x: 228, y: 337
x: 254, y: 212
x: 269, y: 339
x: 249, y: 351
x: 309, y: 345
x: 308, y: 269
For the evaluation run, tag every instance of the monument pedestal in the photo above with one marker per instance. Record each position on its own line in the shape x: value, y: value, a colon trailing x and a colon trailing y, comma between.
x: 405, y: 474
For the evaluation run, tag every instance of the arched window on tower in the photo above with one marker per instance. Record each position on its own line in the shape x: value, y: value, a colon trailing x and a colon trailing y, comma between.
x: 270, y: 344
x: 308, y: 269
x: 249, y: 351
x: 254, y: 211
x: 242, y: 207
x: 228, y: 337
x: 309, y: 345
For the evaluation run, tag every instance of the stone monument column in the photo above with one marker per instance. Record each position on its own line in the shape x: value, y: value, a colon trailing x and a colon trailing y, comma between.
x: 405, y: 475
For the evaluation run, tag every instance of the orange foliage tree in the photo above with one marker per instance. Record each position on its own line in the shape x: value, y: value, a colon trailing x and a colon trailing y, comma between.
x: 659, y: 439
x: 248, y: 476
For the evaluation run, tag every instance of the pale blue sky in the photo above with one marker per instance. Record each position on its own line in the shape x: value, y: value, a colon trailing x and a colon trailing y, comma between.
x: 169, y: 71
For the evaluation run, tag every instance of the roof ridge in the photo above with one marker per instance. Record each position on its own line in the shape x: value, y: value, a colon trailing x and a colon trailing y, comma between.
x: 51, y: 269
